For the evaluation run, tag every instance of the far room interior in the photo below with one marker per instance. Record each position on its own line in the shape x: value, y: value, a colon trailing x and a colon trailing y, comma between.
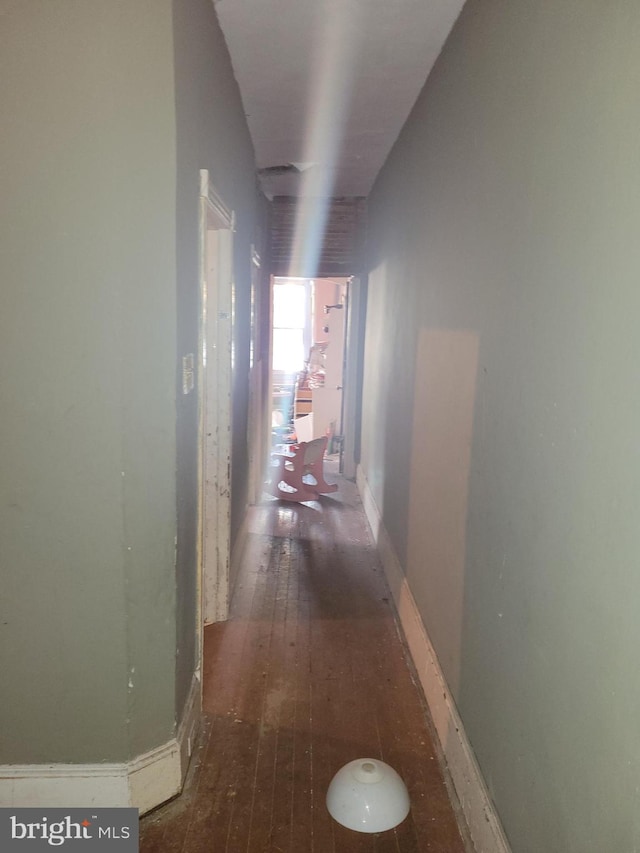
x: 309, y: 322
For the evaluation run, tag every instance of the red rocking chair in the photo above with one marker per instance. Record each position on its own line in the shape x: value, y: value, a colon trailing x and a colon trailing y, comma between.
x: 298, y: 475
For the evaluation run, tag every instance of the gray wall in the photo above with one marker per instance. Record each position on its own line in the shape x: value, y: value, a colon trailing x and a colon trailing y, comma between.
x: 87, y: 334
x: 501, y: 412
x: 109, y: 111
x: 211, y: 133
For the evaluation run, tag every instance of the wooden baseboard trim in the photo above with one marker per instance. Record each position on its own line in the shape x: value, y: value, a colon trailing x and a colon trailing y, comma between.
x: 479, y: 811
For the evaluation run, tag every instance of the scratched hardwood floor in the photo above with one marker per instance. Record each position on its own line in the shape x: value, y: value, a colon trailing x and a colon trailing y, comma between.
x: 309, y: 672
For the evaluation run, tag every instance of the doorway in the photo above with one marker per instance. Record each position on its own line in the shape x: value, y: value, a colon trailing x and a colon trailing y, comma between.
x: 308, y: 352
x: 215, y: 388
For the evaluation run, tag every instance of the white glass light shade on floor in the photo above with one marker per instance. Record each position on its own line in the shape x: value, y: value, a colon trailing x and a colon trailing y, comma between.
x: 367, y: 795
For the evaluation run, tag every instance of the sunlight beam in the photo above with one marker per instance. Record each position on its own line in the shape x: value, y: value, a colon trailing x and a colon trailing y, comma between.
x: 336, y: 48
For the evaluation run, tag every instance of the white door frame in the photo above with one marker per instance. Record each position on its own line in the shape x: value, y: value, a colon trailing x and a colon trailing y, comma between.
x: 215, y: 390
x: 353, y: 365
x: 256, y: 394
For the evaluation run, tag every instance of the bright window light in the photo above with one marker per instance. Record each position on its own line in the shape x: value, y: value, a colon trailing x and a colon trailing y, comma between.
x: 289, y: 322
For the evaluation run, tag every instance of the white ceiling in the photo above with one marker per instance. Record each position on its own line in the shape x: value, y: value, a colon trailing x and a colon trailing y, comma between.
x: 330, y: 82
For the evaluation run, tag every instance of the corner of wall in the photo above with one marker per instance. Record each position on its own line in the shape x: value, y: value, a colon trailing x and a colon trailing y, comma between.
x: 144, y: 783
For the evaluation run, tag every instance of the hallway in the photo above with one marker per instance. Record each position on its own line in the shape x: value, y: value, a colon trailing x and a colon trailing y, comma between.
x: 308, y: 673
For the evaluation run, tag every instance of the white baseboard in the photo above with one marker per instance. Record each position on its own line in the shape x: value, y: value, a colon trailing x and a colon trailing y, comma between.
x: 479, y: 811
x: 154, y: 777
x: 64, y: 785
x: 144, y: 783
x: 189, y: 725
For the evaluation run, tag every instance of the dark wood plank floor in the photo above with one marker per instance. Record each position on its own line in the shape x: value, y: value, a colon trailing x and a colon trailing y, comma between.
x: 309, y: 672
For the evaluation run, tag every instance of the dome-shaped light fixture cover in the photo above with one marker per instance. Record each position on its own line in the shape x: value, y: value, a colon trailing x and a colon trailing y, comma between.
x: 367, y: 795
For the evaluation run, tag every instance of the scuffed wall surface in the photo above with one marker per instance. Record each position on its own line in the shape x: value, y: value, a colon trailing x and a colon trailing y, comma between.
x: 112, y: 110
x: 500, y: 419
x: 87, y: 333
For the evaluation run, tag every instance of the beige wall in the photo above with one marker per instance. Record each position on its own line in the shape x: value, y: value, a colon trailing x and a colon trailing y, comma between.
x: 500, y: 416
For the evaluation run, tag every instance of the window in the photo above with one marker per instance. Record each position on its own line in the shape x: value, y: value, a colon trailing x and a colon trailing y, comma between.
x: 291, y: 313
